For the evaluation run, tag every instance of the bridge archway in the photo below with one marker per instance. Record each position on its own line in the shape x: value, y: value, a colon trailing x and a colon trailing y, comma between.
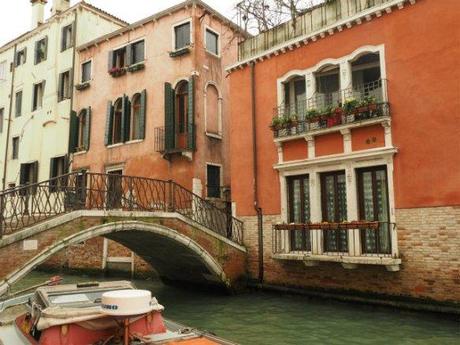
x: 175, y: 256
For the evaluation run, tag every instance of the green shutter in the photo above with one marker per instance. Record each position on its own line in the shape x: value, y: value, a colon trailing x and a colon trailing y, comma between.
x: 191, y: 114
x: 70, y: 91
x: 25, y: 55
x: 129, y: 54
x: 169, y: 118
x: 73, y: 132
x: 62, y: 38
x: 110, y: 62
x: 52, y: 167
x: 125, y: 118
x: 36, y: 53
x: 46, y: 48
x: 109, y: 125
x: 23, y: 174
x: 87, y: 129
x: 60, y: 92
x: 141, y: 122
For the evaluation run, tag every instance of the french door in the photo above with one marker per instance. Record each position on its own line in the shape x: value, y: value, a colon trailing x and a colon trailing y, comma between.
x: 299, y: 211
x: 334, y: 209
x: 374, y: 206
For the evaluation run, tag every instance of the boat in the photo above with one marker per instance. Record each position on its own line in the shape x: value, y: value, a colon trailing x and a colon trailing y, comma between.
x: 96, y: 313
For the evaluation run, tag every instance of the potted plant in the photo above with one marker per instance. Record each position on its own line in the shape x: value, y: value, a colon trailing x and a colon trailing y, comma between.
x: 117, y: 71
x: 335, y: 117
x: 349, y: 107
x: 276, y: 123
x: 313, y: 118
x: 326, y: 112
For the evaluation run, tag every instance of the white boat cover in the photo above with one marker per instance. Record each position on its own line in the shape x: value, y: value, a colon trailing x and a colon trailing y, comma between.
x: 90, y: 318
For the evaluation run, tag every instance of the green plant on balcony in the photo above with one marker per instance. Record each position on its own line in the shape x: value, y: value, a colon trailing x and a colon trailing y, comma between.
x: 350, y: 105
x: 276, y: 123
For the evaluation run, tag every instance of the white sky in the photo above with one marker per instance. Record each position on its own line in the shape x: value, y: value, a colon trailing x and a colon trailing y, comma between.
x: 15, y: 14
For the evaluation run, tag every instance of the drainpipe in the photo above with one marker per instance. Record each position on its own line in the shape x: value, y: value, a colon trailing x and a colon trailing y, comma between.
x: 257, y: 208
x: 74, y: 75
x: 10, y: 112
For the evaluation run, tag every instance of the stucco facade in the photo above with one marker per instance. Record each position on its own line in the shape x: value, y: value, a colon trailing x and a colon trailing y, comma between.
x: 411, y: 141
x: 41, y: 127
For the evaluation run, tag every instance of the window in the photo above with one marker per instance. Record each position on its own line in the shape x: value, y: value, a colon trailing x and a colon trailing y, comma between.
x: 41, y: 50
x: 38, y: 92
x: 366, y: 76
x: 213, y: 111
x: 298, y: 189
x: 213, y: 181
x: 3, y: 70
x: 2, y: 111
x: 18, y: 104
x: 334, y: 209
x: 86, y: 72
x: 28, y: 175
x: 327, y: 87
x: 182, y: 36
x: 65, y: 86
x: 21, y: 57
x: 67, y: 37
x: 82, y: 123
x: 294, y: 95
x: 118, y: 58
x: 374, y: 206
x: 117, y: 122
x: 137, y: 52
x: 212, y: 42
x: 182, y: 107
x: 57, y: 168
x: 80, y: 126
x: 15, y: 148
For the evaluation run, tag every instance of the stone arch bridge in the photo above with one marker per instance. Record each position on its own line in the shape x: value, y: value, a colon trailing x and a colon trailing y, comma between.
x: 184, y: 237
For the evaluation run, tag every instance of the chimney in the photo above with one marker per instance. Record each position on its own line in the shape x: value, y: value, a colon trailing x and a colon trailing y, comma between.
x: 38, y: 12
x: 59, y: 6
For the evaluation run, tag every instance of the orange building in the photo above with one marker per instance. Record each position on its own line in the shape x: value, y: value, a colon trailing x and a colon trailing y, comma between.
x: 151, y: 101
x: 361, y: 98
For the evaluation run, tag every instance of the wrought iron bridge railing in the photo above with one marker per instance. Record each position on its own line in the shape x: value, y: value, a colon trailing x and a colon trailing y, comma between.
x: 335, y: 239
x: 30, y: 204
x: 324, y: 110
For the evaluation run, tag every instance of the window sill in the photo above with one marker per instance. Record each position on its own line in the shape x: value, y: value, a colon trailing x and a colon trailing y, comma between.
x: 348, y: 262
x: 63, y: 100
x: 79, y: 153
x: 180, y: 52
x: 139, y: 66
x: 214, y: 136
x: 136, y: 141
x: 83, y: 86
x: 217, y: 56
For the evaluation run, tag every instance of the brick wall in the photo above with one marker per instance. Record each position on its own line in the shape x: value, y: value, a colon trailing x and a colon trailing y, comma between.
x: 429, y: 245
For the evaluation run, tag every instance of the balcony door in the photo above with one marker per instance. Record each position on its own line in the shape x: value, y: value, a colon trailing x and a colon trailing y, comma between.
x: 334, y: 209
x: 374, y: 206
x: 299, y: 211
x: 182, y: 123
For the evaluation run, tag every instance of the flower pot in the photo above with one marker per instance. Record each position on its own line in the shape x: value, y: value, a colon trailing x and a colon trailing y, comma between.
x: 334, y: 120
x: 314, y: 124
x: 350, y: 118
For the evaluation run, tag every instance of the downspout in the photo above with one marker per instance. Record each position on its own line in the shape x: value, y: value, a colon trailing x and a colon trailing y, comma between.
x: 257, y: 208
x: 10, y: 112
x: 74, y: 75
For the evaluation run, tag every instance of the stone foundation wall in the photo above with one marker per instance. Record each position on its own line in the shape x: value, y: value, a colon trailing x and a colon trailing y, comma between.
x: 429, y: 246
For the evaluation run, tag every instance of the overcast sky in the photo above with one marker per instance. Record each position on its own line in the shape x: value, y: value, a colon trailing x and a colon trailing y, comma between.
x: 15, y: 14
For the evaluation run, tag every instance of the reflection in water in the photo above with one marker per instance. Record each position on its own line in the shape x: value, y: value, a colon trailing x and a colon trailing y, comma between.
x: 274, y: 319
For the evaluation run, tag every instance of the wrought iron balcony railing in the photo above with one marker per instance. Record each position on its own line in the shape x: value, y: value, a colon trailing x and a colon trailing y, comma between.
x: 375, y: 238
x: 28, y: 205
x: 172, y: 139
x: 326, y: 110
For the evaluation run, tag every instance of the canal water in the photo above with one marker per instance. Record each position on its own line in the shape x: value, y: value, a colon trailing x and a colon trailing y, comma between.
x: 255, y: 318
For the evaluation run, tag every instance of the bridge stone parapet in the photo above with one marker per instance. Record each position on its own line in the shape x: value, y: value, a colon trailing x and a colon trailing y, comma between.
x: 178, y: 248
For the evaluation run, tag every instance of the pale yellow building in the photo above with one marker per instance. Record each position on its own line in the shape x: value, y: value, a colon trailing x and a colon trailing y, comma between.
x: 37, y: 88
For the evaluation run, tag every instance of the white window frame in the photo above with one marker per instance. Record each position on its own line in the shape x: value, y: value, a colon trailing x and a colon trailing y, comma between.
x: 221, y: 177
x: 173, y: 33
x: 208, y: 28
x: 91, y: 72
x: 219, y: 111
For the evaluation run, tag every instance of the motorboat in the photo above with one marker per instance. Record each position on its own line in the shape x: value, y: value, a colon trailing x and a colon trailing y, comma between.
x: 97, y: 313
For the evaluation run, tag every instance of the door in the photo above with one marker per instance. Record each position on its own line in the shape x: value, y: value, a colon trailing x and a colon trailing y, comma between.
x: 114, y: 189
x: 374, y: 206
x: 334, y: 209
x: 299, y: 211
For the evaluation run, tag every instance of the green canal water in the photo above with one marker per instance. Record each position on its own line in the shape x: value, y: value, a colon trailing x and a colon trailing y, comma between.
x: 269, y: 318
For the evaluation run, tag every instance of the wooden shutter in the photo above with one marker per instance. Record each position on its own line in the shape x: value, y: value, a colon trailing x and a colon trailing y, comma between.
x: 60, y: 92
x: 36, y: 53
x: 52, y: 167
x: 125, y: 118
x: 109, y: 124
x: 25, y: 55
x: 129, y: 55
x: 142, y: 118
x: 23, y: 174
x: 169, y: 117
x: 87, y: 131
x: 46, y: 49
x: 70, y: 91
x: 191, y: 114
x: 110, y: 62
x: 73, y: 132
x: 63, y: 34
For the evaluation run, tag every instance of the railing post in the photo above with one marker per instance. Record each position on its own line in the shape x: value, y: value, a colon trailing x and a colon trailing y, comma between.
x: 2, y: 207
x: 171, y: 201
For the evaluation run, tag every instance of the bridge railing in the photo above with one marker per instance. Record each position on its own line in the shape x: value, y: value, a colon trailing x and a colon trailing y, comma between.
x: 30, y: 204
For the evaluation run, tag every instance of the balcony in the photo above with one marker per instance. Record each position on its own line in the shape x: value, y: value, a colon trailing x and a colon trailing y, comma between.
x: 175, y: 139
x: 349, y: 243
x: 357, y: 105
x: 313, y: 21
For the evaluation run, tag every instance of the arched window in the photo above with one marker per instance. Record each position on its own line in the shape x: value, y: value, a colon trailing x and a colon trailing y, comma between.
x: 366, y: 76
x: 117, y: 136
x: 135, y: 126
x: 213, y: 111
x: 327, y: 87
x: 82, y: 123
x: 182, y: 107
